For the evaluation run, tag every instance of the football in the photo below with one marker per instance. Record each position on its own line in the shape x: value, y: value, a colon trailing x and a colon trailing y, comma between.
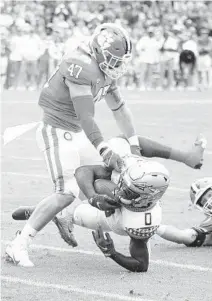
x: 103, y: 186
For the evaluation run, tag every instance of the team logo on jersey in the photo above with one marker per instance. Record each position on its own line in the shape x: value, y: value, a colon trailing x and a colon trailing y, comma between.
x: 105, y: 39
x: 68, y: 136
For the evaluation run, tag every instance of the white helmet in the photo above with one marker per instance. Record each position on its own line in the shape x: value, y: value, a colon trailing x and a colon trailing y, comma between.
x: 142, y: 184
x: 201, y: 195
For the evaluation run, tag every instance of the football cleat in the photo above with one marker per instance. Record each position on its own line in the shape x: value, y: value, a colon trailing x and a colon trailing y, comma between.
x: 16, y: 252
x: 23, y: 213
x: 195, y: 156
x: 65, y: 227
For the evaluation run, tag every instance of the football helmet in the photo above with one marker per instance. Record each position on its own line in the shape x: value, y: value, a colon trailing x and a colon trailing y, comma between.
x: 142, y: 184
x: 201, y: 195
x: 112, y: 49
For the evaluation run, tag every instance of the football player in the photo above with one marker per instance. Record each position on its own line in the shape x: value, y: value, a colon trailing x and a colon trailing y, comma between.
x: 197, y: 236
x: 126, y: 204
x: 84, y: 77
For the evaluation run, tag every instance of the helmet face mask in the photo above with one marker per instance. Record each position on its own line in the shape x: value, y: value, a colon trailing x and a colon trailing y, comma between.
x: 201, y: 195
x: 142, y: 185
x: 205, y: 202
x: 114, y: 66
x: 112, y: 49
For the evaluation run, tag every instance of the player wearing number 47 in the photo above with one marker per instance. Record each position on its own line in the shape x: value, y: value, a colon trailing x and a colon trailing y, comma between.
x: 84, y: 77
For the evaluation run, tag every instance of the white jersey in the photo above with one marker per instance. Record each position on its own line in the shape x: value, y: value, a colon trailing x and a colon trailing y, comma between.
x: 135, y: 224
x: 124, y: 221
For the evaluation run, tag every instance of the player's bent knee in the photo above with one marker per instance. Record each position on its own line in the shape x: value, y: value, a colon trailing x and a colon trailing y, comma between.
x: 67, y: 186
x: 64, y: 200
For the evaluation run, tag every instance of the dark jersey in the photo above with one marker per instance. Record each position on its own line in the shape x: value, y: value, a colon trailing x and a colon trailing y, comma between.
x: 79, y: 68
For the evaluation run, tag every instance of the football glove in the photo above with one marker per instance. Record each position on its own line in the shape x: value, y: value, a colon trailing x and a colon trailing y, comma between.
x: 105, y: 244
x: 103, y: 202
x: 111, y: 159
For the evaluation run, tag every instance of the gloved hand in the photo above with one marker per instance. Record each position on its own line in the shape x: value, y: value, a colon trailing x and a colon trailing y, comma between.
x: 111, y: 159
x: 103, y: 202
x: 105, y: 244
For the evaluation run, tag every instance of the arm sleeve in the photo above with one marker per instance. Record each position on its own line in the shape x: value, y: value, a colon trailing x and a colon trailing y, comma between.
x: 84, y: 108
x: 113, y: 98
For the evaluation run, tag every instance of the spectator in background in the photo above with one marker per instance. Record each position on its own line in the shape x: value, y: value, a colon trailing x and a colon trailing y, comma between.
x: 4, y: 57
x: 74, y: 19
x: 187, y: 60
x: 15, y: 58
x: 204, y: 66
x: 169, y: 56
x: 43, y: 61
x: 148, y: 51
x: 32, y: 49
x: 56, y: 50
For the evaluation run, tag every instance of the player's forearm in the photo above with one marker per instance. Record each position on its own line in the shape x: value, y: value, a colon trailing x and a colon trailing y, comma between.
x: 92, y: 130
x: 85, y: 178
x: 176, y: 235
x: 124, y: 120
x: 129, y: 263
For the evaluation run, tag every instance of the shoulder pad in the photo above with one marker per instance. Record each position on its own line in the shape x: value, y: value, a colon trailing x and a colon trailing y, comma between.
x: 78, y: 68
x: 201, y: 235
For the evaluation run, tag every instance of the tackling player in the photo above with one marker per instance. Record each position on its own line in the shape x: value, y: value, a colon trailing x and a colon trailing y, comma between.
x: 197, y: 236
x: 84, y: 77
x: 126, y: 203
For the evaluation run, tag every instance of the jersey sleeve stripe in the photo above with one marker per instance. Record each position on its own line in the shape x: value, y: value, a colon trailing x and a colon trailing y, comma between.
x: 56, y: 161
x: 47, y: 152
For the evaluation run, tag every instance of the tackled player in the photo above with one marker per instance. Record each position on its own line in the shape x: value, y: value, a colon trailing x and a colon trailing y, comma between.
x: 84, y: 77
x: 127, y: 204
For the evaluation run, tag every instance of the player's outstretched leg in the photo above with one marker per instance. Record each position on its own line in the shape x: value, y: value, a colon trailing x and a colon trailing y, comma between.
x: 63, y: 221
x: 192, y: 158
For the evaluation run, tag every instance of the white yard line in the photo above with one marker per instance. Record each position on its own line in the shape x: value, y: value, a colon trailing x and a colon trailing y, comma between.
x: 7, y: 173
x: 158, y: 262
x: 69, y: 288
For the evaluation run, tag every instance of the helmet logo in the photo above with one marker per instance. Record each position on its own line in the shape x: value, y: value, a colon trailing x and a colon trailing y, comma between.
x: 105, y: 39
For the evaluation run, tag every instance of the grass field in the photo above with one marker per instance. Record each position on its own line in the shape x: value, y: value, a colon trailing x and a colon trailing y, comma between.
x: 176, y: 273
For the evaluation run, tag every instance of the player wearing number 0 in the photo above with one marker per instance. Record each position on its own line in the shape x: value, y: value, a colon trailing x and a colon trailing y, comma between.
x: 84, y: 77
x: 126, y: 204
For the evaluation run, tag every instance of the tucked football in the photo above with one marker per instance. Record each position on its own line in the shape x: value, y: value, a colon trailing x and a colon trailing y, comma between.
x: 103, y: 186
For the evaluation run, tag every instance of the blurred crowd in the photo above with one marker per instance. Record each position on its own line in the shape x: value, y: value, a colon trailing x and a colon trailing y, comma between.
x: 172, y: 40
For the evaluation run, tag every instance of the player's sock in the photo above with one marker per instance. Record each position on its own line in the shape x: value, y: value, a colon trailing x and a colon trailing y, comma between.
x: 151, y: 148
x: 27, y: 234
x: 192, y: 158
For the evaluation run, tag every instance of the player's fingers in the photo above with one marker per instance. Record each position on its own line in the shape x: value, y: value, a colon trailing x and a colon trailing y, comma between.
x: 125, y: 201
x: 94, y: 235
x: 108, y: 236
x: 100, y: 232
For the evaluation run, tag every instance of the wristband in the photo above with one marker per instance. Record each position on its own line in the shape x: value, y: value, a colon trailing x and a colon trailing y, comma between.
x: 102, y: 145
x: 133, y: 140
